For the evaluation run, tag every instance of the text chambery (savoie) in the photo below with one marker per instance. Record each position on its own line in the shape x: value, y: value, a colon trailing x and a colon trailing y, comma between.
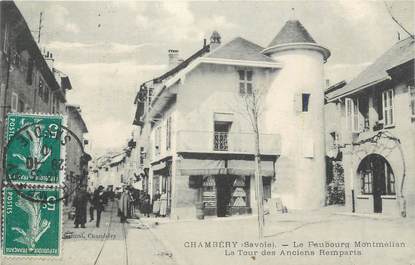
x: 229, y: 244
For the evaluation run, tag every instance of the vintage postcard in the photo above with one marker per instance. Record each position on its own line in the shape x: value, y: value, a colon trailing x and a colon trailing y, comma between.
x: 207, y: 132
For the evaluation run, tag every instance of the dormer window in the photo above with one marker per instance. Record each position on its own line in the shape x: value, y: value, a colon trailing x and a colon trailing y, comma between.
x: 245, y: 82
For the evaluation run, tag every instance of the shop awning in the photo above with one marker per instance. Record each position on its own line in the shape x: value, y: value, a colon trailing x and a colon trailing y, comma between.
x: 247, y: 168
x: 159, y: 166
x: 202, y: 167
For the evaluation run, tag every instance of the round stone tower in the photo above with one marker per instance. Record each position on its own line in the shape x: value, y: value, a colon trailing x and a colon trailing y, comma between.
x: 294, y: 109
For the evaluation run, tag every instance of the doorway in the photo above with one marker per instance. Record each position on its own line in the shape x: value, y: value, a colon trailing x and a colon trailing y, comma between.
x: 377, y: 179
x: 223, y: 194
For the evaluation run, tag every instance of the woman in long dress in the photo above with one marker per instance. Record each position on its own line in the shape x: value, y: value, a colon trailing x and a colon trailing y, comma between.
x: 163, y: 204
x: 156, y: 204
x: 123, y: 204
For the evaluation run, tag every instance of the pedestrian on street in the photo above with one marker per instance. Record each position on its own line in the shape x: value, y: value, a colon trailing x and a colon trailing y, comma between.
x: 123, y: 205
x: 163, y: 204
x: 80, y: 203
x: 156, y: 204
x: 146, y: 205
x: 131, y: 203
x: 91, y: 206
x: 98, y: 202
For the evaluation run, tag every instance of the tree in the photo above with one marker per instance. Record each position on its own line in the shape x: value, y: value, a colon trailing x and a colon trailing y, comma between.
x: 252, y: 103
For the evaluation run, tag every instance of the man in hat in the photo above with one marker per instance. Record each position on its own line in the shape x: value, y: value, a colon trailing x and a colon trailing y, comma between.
x: 98, y: 202
x: 80, y: 203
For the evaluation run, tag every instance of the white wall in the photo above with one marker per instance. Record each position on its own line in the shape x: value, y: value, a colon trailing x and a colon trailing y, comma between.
x: 300, y: 171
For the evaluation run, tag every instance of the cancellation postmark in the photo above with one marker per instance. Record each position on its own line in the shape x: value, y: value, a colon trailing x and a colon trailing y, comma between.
x: 35, y: 151
x: 32, y: 228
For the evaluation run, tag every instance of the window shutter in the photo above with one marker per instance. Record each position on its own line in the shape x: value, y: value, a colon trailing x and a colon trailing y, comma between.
x: 6, y: 39
x: 412, y: 99
x: 349, y: 113
x: 387, y: 104
x: 356, y: 113
x: 392, y: 96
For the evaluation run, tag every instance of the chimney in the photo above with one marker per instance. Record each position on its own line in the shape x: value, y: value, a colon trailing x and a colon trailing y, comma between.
x: 327, y: 83
x: 48, y: 56
x: 173, y: 58
x: 214, y: 40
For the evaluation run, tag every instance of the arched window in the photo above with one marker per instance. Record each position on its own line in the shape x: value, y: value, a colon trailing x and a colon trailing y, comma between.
x: 376, y: 176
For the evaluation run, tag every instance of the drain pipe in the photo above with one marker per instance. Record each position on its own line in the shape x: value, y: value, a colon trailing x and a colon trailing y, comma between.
x: 402, y: 199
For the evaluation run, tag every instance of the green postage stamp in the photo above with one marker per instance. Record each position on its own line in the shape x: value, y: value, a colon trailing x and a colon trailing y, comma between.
x: 31, y: 228
x: 36, y: 148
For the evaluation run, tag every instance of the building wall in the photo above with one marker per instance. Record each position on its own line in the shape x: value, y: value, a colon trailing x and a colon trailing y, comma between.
x: 300, y: 170
x: 73, y: 150
x: 404, y: 130
x: 108, y: 176
x: 14, y: 66
x: 214, y: 88
x: 207, y: 90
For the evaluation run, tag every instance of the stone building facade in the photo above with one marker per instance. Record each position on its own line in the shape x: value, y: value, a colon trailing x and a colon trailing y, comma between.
x: 29, y: 82
x: 198, y: 145
x: 371, y: 130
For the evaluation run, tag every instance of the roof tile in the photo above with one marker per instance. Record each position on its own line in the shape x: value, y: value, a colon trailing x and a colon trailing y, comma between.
x: 292, y: 32
x: 240, y: 49
x: 403, y: 51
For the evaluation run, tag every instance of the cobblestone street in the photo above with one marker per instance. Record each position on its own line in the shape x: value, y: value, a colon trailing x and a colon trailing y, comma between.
x: 140, y: 244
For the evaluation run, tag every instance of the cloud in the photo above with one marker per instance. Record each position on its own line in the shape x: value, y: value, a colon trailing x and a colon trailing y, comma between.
x: 176, y: 22
x: 71, y: 27
x: 343, y: 71
x: 59, y: 17
x: 106, y: 92
x: 61, y: 45
x: 108, y: 134
x: 98, y: 47
x: 357, y: 11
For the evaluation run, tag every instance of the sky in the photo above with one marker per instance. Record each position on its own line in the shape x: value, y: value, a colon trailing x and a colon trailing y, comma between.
x: 108, y: 48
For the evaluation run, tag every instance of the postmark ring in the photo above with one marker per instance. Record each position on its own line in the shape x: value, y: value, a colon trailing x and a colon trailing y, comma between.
x: 16, y: 187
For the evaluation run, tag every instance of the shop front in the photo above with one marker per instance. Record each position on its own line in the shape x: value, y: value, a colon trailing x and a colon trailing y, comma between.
x: 226, y: 187
x: 162, y: 184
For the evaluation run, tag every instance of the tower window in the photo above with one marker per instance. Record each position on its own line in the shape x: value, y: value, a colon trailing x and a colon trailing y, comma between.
x: 305, y: 101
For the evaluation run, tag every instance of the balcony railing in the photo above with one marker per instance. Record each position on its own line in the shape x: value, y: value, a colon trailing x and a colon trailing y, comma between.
x: 220, y: 141
x: 208, y: 141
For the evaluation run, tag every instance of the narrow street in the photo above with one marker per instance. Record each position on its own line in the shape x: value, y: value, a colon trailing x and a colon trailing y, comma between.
x: 126, y: 244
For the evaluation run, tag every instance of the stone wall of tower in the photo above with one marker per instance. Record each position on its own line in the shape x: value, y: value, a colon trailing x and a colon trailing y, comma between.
x: 300, y: 170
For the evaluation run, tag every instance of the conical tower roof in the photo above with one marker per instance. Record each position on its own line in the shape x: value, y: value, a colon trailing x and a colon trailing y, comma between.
x: 293, y: 35
x: 292, y: 32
